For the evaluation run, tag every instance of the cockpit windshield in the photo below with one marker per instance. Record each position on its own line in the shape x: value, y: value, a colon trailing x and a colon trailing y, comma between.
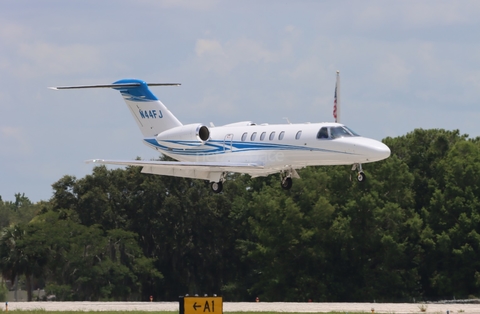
x: 335, y: 132
x: 351, y: 131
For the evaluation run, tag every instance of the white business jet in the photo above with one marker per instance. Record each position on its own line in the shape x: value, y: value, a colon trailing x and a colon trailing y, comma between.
x: 210, y: 153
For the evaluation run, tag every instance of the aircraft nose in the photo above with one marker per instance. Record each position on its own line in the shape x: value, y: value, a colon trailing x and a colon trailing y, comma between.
x: 367, y: 149
x: 380, y: 151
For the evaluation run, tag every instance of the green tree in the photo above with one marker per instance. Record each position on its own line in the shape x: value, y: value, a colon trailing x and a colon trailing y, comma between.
x: 422, y: 150
x: 21, y: 253
x: 87, y: 264
x: 187, y: 231
x: 288, y: 239
x: 5, y: 215
x: 454, y: 219
x: 22, y: 210
x: 3, y: 291
x: 411, y: 230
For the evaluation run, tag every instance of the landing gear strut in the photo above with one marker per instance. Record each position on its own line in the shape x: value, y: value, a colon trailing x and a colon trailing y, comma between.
x: 361, y: 177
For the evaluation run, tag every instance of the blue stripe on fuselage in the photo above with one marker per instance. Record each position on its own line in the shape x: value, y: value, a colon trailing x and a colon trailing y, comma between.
x: 219, y: 147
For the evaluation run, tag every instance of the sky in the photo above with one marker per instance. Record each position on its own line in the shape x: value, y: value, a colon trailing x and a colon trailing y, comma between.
x: 403, y: 65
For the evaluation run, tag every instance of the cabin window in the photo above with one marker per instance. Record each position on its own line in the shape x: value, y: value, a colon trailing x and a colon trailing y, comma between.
x: 323, y: 133
x: 280, y: 136
x: 262, y: 136
x: 272, y: 136
x: 254, y: 135
x: 244, y: 136
x: 299, y: 133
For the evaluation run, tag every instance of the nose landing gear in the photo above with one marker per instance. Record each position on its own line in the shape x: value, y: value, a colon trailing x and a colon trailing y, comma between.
x: 361, y: 177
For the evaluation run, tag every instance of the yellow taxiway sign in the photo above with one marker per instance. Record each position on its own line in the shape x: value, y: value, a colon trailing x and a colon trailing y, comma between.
x: 200, y: 305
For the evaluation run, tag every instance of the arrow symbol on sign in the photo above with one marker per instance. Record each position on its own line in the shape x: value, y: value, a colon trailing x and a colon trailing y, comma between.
x: 195, y: 306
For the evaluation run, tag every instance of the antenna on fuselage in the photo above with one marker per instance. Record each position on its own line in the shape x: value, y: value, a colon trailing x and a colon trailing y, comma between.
x: 336, y: 100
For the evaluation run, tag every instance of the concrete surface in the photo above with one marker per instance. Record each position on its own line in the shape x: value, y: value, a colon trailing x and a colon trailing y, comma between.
x: 250, y: 306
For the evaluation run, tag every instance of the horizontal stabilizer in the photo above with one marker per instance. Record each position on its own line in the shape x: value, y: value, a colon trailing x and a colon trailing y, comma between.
x: 134, y: 84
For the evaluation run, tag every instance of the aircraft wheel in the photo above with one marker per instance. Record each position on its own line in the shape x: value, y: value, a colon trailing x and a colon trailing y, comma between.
x: 287, y: 183
x: 361, y: 177
x: 217, y: 187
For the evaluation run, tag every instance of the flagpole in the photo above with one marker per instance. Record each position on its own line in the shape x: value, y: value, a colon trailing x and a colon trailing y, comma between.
x: 336, y: 102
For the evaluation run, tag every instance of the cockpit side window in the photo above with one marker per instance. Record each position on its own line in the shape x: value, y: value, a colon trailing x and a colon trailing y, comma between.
x: 323, y: 133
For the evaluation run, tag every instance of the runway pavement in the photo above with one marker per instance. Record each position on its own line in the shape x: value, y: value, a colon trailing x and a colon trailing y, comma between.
x: 250, y: 306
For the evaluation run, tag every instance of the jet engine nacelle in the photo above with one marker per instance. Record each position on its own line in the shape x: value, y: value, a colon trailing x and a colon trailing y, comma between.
x: 185, y: 135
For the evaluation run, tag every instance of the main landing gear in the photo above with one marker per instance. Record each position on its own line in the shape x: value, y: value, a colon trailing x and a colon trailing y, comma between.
x: 286, y: 178
x: 217, y: 187
x: 361, y: 177
x: 286, y: 183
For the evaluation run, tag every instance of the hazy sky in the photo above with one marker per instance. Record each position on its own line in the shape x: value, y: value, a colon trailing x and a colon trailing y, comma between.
x: 403, y: 65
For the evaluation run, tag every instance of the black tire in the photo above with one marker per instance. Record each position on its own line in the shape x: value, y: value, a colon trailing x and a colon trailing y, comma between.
x: 361, y: 177
x: 287, y: 183
x: 216, y: 187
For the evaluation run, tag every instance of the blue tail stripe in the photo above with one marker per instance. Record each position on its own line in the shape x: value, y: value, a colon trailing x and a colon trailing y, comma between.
x: 137, y: 93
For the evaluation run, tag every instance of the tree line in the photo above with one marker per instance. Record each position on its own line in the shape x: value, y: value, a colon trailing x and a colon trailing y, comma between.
x: 410, y: 232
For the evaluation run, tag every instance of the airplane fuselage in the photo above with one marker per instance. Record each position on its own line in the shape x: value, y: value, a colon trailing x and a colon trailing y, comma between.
x: 275, y: 146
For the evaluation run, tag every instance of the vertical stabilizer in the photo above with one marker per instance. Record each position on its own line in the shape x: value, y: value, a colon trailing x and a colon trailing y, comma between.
x: 151, y: 115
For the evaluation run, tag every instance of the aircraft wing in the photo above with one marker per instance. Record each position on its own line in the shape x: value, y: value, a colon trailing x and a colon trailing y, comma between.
x: 211, y: 171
